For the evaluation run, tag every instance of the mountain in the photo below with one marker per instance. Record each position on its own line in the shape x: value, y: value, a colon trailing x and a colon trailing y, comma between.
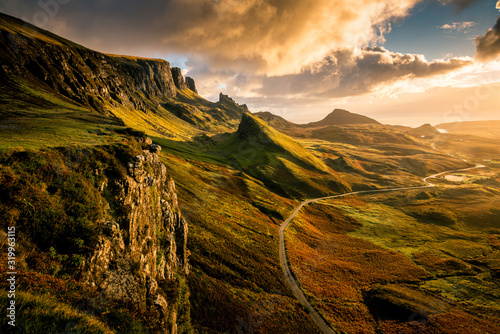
x: 278, y: 160
x: 53, y: 72
x: 253, y: 129
x: 424, y: 131
x: 277, y: 122
x: 89, y: 78
x: 342, y: 117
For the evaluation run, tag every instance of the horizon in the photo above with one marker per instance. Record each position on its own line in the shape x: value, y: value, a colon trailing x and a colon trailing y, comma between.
x: 395, y: 124
x: 400, y: 62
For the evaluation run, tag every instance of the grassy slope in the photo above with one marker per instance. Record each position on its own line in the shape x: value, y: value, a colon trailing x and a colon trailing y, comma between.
x: 33, y: 118
x: 243, y: 291
x: 279, y: 161
x: 47, y: 315
x: 236, y: 282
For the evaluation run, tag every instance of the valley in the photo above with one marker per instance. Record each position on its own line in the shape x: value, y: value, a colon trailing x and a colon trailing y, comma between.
x: 142, y: 207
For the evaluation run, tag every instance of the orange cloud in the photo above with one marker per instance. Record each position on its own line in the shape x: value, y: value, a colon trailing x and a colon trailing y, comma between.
x: 279, y: 36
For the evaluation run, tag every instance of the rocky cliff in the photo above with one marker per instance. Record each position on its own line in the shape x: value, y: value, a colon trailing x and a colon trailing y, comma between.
x: 191, y: 84
x: 178, y: 78
x: 143, y: 252
x: 90, y: 78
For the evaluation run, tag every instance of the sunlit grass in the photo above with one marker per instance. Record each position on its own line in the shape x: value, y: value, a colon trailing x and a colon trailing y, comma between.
x: 44, y: 314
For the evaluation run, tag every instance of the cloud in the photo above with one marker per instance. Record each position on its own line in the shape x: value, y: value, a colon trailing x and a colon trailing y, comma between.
x: 498, y: 5
x: 460, y: 5
x: 341, y: 74
x: 488, y: 46
x: 277, y: 36
x: 458, y: 26
x: 356, y: 72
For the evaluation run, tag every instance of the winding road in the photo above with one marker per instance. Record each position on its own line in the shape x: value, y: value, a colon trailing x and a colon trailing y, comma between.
x: 290, y: 279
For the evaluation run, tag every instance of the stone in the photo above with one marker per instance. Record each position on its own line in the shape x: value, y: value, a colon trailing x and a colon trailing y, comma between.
x: 178, y: 78
x: 154, y: 148
x: 191, y: 84
x: 130, y: 257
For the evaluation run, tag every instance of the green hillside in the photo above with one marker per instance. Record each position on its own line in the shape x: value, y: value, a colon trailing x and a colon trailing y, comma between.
x: 279, y: 161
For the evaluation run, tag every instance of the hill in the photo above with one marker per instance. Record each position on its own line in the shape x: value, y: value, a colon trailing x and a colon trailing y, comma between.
x: 486, y: 129
x: 41, y: 72
x: 424, y: 131
x: 277, y: 122
x: 278, y: 160
x: 341, y: 117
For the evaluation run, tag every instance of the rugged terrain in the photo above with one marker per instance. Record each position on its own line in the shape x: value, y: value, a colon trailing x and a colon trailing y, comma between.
x: 142, y: 207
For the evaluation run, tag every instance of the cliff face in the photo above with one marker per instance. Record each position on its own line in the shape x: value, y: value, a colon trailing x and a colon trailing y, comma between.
x: 178, y: 78
x: 143, y: 251
x: 85, y: 76
x: 191, y: 84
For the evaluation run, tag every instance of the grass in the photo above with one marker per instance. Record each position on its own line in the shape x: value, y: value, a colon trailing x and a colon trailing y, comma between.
x: 279, y: 161
x: 236, y: 281
x: 334, y: 268
x: 43, y: 313
x: 33, y: 119
x: 403, y: 253
x: 260, y: 134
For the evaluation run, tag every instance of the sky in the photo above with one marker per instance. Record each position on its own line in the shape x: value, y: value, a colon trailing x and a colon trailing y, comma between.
x: 406, y: 62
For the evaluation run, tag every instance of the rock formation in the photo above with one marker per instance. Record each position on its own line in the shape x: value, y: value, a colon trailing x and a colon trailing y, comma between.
x: 144, y: 247
x: 178, y: 78
x: 191, y: 84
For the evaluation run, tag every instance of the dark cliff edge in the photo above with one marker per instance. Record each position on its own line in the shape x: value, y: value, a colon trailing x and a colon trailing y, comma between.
x: 87, y: 77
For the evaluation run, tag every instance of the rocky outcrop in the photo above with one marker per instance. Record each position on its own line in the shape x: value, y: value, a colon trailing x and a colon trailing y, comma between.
x: 232, y: 108
x: 144, y: 246
x: 191, y: 84
x: 90, y: 78
x: 178, y: 78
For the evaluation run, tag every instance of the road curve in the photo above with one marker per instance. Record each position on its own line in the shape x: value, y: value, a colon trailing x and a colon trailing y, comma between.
x: 294, y: 286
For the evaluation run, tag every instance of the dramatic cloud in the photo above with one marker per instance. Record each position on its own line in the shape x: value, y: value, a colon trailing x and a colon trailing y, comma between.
x: 458, y: 26
x: 270, y: 36
x: 274, y: 55
x: 343, y: 73
x: 356, y: 72
x: 488, y: 46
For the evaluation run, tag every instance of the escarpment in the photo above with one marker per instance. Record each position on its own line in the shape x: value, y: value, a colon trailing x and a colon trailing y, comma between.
x: 143, y: 250
x: 93, y: 79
